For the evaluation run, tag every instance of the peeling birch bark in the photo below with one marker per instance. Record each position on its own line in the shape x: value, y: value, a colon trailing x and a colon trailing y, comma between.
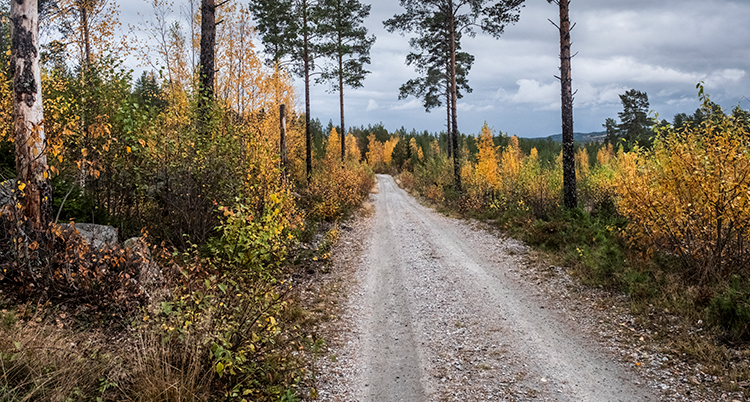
x: 28, y: 115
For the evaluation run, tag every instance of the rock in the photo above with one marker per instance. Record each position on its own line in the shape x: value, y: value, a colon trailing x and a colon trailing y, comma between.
x: 97, y: 236
x: 7, y: 196
x: 150, y: 278
x: 515, y: 247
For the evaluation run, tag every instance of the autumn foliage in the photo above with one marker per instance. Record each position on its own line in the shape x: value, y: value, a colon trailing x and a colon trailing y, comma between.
x: 690, y: 196
x: 223, y: 216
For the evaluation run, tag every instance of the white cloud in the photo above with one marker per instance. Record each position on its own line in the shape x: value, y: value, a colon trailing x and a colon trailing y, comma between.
x: 464, y: 107
x: 412, y: 104
x: 533, y: 92
x: 724, y: 77
x: 621, y: 69
x: 372, y: 105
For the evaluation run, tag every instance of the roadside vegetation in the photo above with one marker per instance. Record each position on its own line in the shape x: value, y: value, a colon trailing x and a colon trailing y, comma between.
x: 228, y: 196
x: 661, y: 218
x: 201, y: 303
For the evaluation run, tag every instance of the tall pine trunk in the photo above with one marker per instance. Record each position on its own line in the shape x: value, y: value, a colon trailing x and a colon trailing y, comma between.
x: 28, y: 115
x: 207, y: 60
x: 566, y: 80
x: 341, y: 101
x: 306, y: 60
x: 454, y: 96
x: 448, y: 105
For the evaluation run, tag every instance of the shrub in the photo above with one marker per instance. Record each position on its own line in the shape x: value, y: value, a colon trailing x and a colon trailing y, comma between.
x: 335, y: 191
x: 731, y: 310
x: 690, y: 196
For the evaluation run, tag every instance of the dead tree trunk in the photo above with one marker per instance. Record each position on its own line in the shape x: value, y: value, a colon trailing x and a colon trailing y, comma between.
x: 341, y: 102
x: 306, y: 60
x: 207, y: 59
x: 566, y: 80
x: 28, y: 115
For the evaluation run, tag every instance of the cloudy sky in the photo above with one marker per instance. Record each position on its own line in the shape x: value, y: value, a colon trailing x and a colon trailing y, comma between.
x: 662, y: 47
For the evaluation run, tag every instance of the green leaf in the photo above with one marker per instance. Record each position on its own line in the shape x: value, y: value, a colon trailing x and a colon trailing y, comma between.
x: 219, y: 368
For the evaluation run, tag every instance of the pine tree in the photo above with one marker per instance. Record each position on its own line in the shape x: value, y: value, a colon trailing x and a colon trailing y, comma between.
x: 345, y: 41
x: 460, y: 17
x: 288, y: 29
x: 207, y: 61
x: 635, y: 125
x: 430, y: 59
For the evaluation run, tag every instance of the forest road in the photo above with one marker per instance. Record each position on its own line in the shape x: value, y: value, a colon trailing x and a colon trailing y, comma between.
x: 439, y: 313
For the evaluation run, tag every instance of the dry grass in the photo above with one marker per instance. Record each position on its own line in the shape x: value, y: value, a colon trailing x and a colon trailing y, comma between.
x: 42, y: 362
x: 170, y: 371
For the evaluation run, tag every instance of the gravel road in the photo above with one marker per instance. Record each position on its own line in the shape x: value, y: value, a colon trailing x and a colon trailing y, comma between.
x: 439, y: 312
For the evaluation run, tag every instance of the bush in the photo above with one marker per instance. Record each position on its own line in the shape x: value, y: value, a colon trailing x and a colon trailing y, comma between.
x: 690, y: 196
x: 59, y: 265
x: 731, y: 310
x: 334, y: 191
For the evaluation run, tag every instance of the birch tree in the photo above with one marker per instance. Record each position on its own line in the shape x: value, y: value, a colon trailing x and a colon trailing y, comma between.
x: 31, y: 161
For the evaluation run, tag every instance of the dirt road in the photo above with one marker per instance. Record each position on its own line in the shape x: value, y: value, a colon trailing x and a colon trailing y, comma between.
x: 439, y: 313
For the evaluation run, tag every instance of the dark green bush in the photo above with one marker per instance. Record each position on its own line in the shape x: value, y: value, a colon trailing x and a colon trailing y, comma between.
x: 731, y: 310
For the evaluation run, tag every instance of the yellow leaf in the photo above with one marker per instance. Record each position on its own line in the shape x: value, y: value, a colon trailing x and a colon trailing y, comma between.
x: 21, y: 186
x: 128, y: 150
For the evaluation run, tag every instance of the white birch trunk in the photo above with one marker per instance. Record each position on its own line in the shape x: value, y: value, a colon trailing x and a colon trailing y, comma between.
x: 31, y: 161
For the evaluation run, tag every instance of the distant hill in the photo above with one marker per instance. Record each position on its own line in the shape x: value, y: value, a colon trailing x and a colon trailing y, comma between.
x: 582, y: 137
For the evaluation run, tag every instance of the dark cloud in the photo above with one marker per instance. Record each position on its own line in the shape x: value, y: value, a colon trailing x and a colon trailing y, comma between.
x: 662, y: 47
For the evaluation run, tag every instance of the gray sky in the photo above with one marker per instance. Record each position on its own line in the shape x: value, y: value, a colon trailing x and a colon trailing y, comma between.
x: 662, y: 47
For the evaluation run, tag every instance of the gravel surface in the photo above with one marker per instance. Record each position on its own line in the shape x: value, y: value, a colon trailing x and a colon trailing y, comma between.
x: 439, y: 309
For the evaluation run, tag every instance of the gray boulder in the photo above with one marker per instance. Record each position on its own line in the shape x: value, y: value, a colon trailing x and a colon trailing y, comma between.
x: 7, y: 194
x: 150, y: 278
x: 96, y: 236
